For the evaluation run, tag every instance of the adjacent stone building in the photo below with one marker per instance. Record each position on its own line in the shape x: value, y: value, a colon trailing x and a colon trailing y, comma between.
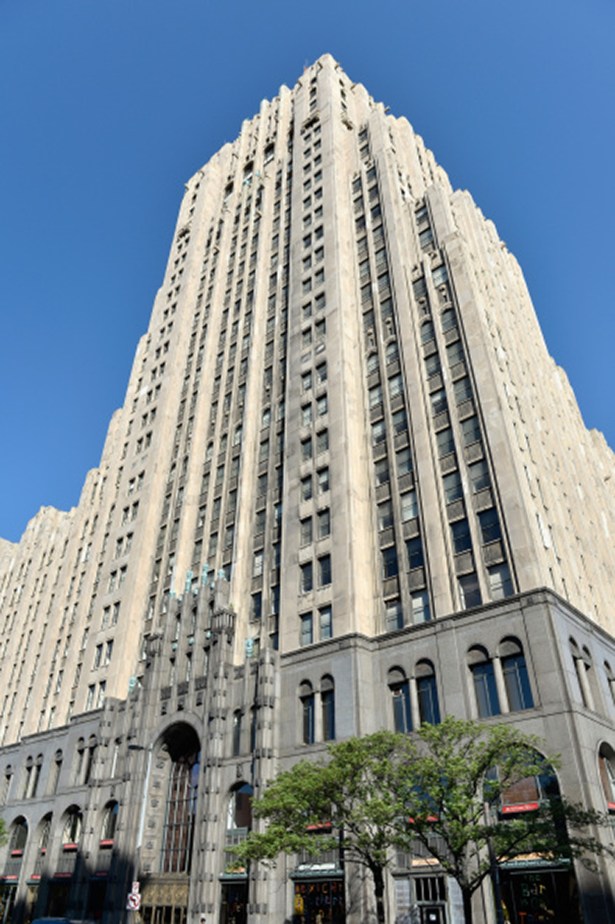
x: 348, y: 488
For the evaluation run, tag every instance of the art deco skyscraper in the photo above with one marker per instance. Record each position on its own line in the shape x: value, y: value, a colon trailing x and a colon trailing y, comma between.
x: 344, y: 418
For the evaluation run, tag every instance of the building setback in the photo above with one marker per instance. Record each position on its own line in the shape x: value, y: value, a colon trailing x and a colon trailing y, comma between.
x: 348, y: 489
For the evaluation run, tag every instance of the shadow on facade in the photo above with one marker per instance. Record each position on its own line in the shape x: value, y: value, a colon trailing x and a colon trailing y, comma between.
x: 84, y: 893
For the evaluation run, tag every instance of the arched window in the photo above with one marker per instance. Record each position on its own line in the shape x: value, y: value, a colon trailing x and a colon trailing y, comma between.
x: 6, y: 783
x: 109, y: 821
x: 306, y: 698
x: 516, y: 680
x: 392, y: 351
x: 178, y: 834
x: 327, y: 699
x: 400, y: 698
x: 44, y: 833
x: 427, y: 332
x: 610, y: 680
x: 89, y: 758
x: 19, y: 837
x: 239, y: 816
x: 483, y: 678
x: 584, y: 671
x: 606, y: 763
x: 73, y: 823
x: 427, y: 693
x: 236, y: 743
x: 54, y: 773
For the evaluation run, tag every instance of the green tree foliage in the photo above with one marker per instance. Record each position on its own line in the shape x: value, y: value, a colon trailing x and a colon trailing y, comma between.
x: 452, y: 788
x: 441, y: 787
x: 353, y: 791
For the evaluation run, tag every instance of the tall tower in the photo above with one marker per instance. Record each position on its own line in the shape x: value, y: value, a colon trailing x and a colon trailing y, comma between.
x: 342, y: 430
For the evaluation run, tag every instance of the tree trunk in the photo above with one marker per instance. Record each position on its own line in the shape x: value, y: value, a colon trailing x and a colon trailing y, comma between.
x: 379, y: 893
x: 467, y: 905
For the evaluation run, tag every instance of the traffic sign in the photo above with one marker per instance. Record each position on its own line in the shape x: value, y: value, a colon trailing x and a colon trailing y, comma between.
x: 133, y: 902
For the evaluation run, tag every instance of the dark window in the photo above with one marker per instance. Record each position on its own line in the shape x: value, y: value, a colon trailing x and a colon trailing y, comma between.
x: 487, y: 702
x: 516, y: 679
x: 327, y: 697
x: 402, y: 714
x: 460, y: 533
x: 489, y: 525
x: 389, y: 562
x: 180, y: 814
x: 427, y: 693
x: 307, y: 712
x: 415, y: 553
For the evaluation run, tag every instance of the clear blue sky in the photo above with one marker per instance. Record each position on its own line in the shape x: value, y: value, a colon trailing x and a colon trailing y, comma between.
x: 108, y: 106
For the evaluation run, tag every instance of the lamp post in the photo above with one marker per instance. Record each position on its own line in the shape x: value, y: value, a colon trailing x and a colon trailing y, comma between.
x: 140, y: 828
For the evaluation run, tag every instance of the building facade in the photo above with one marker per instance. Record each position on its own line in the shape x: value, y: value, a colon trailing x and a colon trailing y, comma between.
x: 348, y: 488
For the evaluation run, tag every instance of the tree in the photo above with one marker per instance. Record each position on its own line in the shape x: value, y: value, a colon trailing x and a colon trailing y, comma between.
x: 441, y: 787
x: 349, y: 798
x: 452, y: 789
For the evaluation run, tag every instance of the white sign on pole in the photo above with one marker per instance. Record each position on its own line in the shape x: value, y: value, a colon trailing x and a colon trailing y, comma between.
x: 134, y: 901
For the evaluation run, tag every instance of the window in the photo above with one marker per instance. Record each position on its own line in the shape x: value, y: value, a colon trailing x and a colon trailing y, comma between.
x: 394, y: 615
x: 257, y: 563
x: 322, y: 406
x: 306, y: 381
x: 483, y: 678
x: 462, y: 389
x: 409, y: 506
x: 324, y: 571
x: 256, y: 609
x: 378, y: 433
x: 479, y: 476
x: 375, y: 396
x: 420, y: 606
x: 489, y: 525
x: 322, y: 478
x: 306, y: 488
x: 396, y: 387
x: 306, y: 698
x: 236, y: 740
x: 306, y: 629
x: 606, y: 764
x: 323, y: 520
x: 414, y: 548
x: 400, y: 423
x: 327, y: 699
x: 385, y: 515
x: 460, y: 534
x: 500, y: 581
x: 427, y: 693
x: 307, y: 577
x: 404, y: 461
x: 453, y: 489
x: 178, y: 832
x: 325, y: 619
x: 438, y: 401
x: 322, y: 441
x: 306, y: 415
x: 306, y: 531
x: 469, y: 590
x: 306, y: 449
x: 445, y: 442
x: 448, y: 319
x: 390, y: 567
x: 516, y: 679
x: 432, y: 365
x: 470, y: 429
x: 381, y: 469
x: 400, y: 699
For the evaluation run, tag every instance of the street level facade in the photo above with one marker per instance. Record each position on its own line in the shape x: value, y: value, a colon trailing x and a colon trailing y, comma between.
x: 348, y: 489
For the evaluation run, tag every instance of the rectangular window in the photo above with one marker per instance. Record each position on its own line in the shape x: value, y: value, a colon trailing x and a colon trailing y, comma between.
x: 325, y: 617
x: 479, y: 476
x: 307, y: 577
x: 460, y: 534
x: 306, y: 531
x: 375, y: 396
x: 385, y: 515
x: 487, y: 702
x: 409, y: 506
x: 445, y: 441
x: 453, y: 489
x: 404, y: 461
x: 400, y: 422
x: 322, y: 441
x: 414, y: 548
x: 469, y: 590
x: 306, y: 415
x: 323, y: 519
x: 389, y: 562
x: 500, y: 582
x: 322, y: 477
x: 306, y: 381
x: 463, y: 390
x: 306, y: 488
x: 470, y: 429
x: 306, y: 449
x: 381, y: 470
x: 324, y: 571
x: 420, y: 606
x: 257, y: 563
x: 394, y: 615
x: 489, y: 525
x: 322, y: 406
x: 306, y: 629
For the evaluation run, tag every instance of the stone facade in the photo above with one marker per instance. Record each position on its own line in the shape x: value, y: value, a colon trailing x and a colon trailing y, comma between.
x: 347, y: 482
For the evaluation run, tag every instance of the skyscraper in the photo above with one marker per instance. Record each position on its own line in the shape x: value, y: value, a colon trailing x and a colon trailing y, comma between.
x: 348, y: 488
